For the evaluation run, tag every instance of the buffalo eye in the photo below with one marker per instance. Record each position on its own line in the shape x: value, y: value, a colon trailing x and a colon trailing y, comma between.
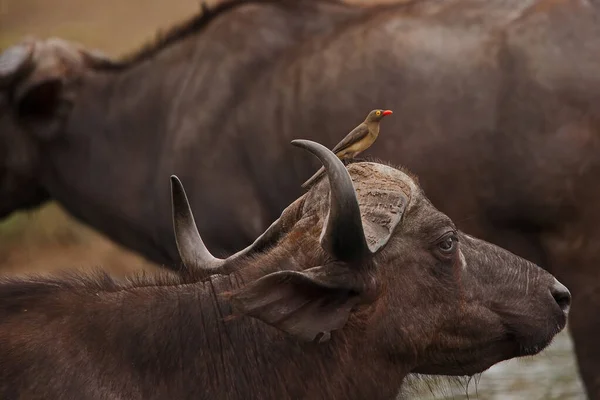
x: 447, y: 245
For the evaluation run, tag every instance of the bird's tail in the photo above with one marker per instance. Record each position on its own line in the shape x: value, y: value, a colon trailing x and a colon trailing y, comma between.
x: 313, y: 178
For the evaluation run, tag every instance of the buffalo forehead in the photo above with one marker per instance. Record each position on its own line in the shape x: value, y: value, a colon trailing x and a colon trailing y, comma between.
x: 381, y: 177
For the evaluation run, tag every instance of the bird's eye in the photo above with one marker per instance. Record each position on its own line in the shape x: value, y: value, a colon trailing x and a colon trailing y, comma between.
x: 378, y: 113
x: 448, y: 244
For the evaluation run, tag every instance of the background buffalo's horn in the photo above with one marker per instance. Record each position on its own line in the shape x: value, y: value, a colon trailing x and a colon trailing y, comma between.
x: 14, y: 61
x: 192, y: 250
x: 343, y: 237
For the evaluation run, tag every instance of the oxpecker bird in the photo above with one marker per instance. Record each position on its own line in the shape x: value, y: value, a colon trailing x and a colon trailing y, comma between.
x: 358, y: 140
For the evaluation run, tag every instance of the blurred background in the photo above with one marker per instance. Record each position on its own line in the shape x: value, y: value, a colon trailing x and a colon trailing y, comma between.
x: 48, y: 239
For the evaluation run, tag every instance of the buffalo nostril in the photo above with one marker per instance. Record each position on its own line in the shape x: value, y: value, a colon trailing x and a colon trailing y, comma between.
x: 561, y: 295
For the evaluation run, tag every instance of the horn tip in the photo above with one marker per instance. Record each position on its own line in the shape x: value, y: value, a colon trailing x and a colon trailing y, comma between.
x: 176, y: 187
x: 307, y: 144
x: 298, y: 142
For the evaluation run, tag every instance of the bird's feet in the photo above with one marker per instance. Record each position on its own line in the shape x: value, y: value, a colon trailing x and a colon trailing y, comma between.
x: 353, y: 160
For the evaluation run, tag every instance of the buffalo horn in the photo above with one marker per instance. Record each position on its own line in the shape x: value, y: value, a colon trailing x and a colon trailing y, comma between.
x: 191, y: 248
x: 343, y: 236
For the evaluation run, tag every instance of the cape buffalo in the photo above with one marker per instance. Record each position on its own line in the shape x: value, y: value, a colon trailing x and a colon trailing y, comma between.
x: 356, y: 290
x: 496, y: 108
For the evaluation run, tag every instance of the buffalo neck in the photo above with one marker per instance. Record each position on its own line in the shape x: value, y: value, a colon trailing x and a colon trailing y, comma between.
x: 240, y: 357
x: 172, y: 340
x: 174, y: 112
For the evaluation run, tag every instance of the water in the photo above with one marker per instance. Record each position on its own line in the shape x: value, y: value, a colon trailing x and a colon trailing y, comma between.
x: 547, y: 376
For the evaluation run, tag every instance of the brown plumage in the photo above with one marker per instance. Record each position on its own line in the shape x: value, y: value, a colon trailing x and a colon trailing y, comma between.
x: 358, y: 140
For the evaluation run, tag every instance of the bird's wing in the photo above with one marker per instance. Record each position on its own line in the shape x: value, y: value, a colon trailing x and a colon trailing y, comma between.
x: 354, y: 136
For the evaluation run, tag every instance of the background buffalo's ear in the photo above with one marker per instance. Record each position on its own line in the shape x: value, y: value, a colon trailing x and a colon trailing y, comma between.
x: 40, y: 77
x: 42, y: 104
x: 308, y: 305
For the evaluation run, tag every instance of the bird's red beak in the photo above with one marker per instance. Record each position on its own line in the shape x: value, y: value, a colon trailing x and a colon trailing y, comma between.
x: 387, y: 112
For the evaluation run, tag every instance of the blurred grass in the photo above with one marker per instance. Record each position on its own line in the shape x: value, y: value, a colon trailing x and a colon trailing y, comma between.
x: 49, y: 224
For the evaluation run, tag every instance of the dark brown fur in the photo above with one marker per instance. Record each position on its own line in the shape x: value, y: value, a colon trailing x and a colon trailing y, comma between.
x: 194, y: 25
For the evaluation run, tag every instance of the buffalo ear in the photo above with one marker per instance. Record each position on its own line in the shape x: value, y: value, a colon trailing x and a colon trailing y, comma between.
x: 42, y: 104
x: 42, y: 77
x: 308, y: 304
x: 36, y: 86
x: 382, y: 210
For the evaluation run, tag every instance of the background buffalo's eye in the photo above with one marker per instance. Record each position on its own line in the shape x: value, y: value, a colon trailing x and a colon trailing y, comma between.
x: 448, y: 244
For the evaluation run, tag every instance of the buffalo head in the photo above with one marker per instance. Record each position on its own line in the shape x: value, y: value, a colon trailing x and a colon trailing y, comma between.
x: 38, y: 81
x: 365, y: 258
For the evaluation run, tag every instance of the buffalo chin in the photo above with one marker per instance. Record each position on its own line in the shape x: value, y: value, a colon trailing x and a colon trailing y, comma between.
x: 476, y: 361
x: 529, y: 346
x: 531, y: 341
